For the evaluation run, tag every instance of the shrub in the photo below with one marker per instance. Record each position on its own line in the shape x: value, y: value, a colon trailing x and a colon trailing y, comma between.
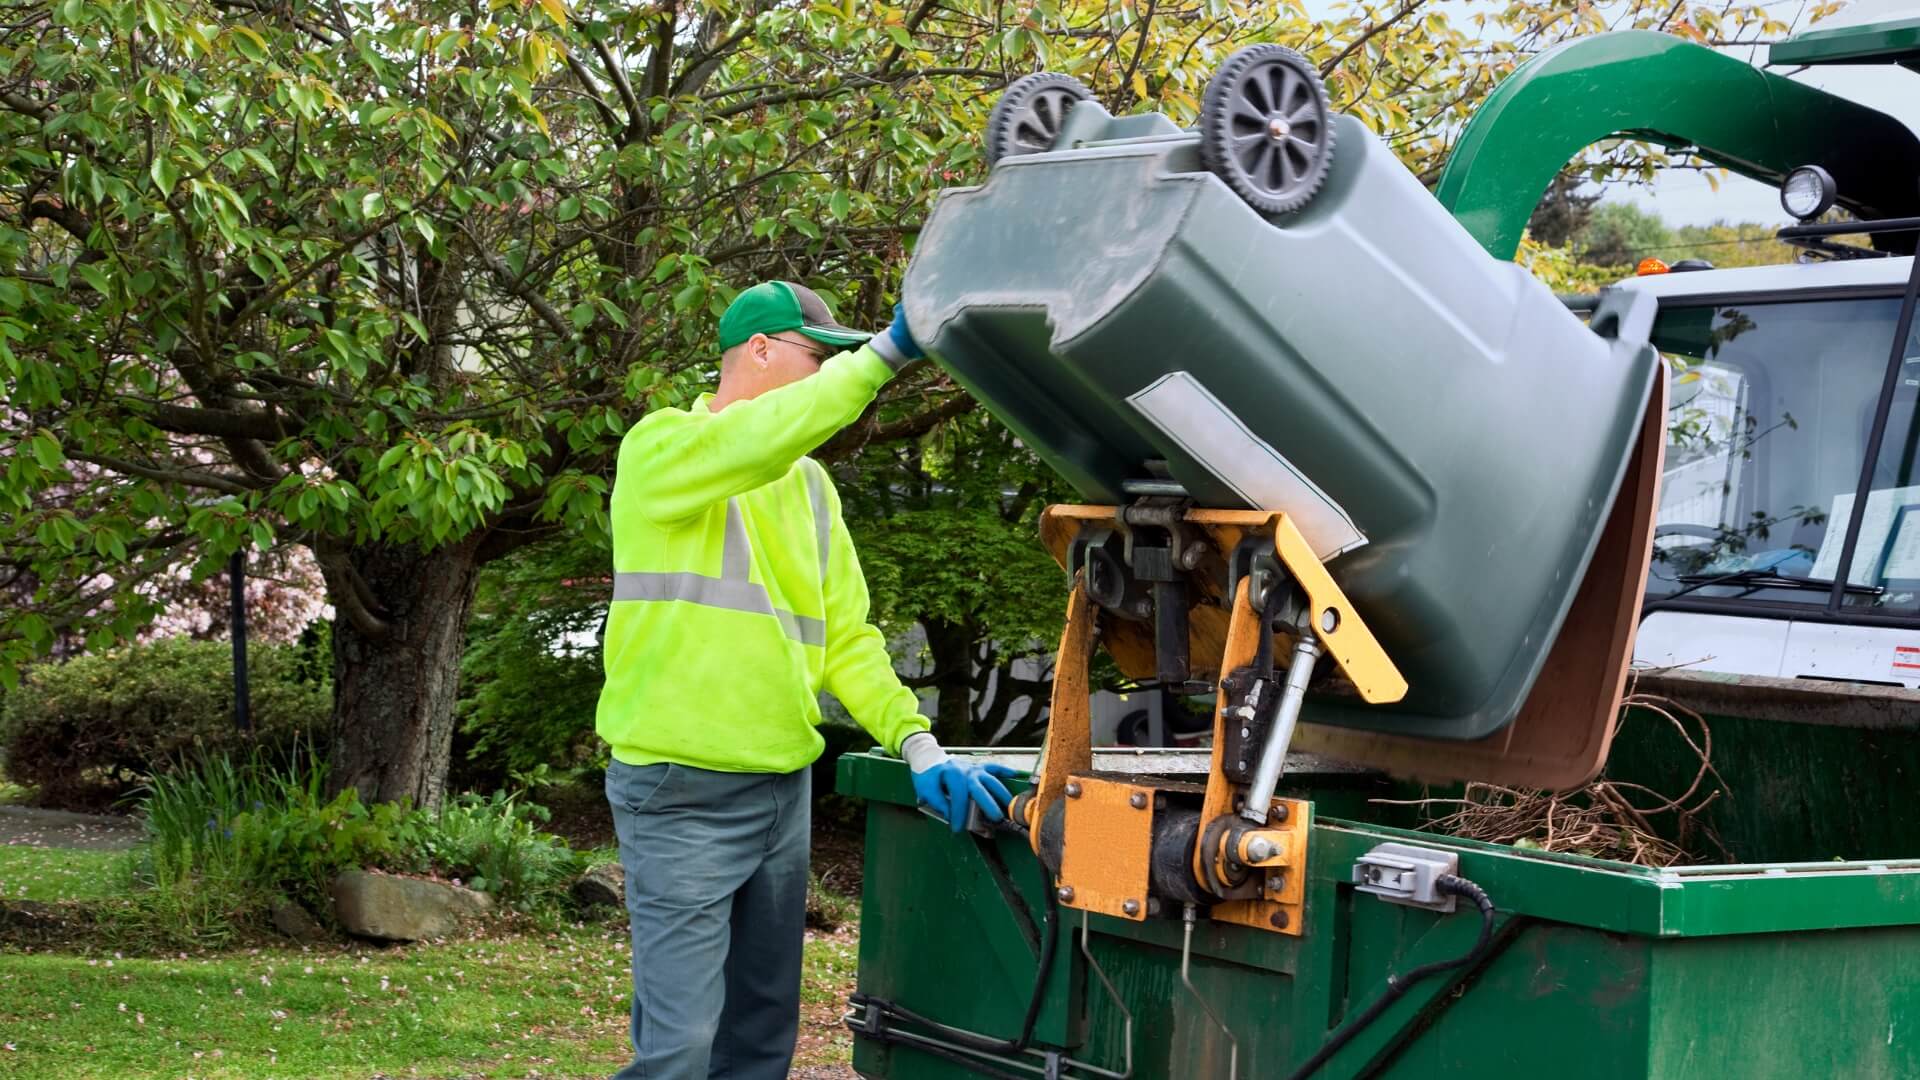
x: 493, y: 844
x: 91, y: 729
x: 224, y: 840
x: 527, y: 696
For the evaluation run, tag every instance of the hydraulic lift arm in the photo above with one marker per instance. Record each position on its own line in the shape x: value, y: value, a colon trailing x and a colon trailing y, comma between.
x: 1202, y: 598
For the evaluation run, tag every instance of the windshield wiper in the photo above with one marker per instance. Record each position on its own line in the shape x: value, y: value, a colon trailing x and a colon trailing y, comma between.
x: 1765, y: 577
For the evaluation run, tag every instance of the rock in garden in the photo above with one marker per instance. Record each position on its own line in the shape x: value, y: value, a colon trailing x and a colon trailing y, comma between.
x: 386, y: 907
x: 298, y: 923
x: 601, y: 886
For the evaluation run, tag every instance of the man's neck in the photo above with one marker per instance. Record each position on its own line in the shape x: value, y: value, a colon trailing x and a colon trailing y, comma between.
x: 728, y: 392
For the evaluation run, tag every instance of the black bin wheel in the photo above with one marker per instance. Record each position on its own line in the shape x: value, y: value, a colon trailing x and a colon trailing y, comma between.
x: 1265, y: 128
x: 1028, y: 117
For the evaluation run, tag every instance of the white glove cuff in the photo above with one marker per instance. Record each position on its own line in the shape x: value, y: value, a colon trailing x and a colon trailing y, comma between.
x: 883, y: 344
x: 921, y: 752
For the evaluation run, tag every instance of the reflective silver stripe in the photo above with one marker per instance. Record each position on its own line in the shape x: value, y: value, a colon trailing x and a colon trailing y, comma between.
x: 802, y: 629
x: 717, y: 593
x: 822, y: 519
x: 736, y: 554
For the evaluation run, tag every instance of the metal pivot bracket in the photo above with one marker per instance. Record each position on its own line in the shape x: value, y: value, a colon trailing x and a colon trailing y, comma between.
x: 1108, y: 848
x: 1100, y: 554
x: 1407, y: 875
x: 1255, y: 559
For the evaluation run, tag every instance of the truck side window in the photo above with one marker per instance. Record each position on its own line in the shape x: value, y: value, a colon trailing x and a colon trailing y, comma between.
x: 1770, y: 414
x: 1888, y: 553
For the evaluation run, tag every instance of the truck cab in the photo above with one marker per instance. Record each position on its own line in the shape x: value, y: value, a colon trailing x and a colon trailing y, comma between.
x: 1783, y: 415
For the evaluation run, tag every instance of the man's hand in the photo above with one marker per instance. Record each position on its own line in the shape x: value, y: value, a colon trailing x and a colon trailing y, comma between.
x: 947, y: 786
x: 902, y: 337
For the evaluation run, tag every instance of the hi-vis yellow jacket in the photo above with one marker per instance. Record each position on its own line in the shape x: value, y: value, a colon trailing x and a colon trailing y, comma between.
x: 737, y: 596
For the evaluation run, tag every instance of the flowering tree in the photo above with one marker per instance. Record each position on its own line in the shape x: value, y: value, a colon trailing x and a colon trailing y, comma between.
x: 387, y: 281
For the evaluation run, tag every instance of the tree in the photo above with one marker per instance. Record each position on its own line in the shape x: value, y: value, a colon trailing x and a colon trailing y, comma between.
x: 532, y: 670
x: 1727, y: 245
x: 1621, y: 234
x: 948, y: 533
x: 1563, y: 212
x: 387, y: 282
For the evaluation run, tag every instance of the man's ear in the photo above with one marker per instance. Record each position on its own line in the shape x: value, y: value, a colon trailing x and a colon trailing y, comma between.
x: 757, y: 351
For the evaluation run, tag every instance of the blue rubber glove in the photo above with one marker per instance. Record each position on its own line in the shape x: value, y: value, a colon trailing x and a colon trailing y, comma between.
x: 901, y: 337
x: 947, y: 786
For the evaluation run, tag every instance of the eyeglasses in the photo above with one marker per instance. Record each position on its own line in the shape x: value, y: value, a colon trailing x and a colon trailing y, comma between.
x: 818, y: 356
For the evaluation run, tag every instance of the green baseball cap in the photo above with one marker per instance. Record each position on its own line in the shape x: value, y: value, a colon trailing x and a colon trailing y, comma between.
x: 774, y: 307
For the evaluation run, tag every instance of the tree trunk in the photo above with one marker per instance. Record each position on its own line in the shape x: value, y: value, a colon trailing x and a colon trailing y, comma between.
x: 951, y: 647
x: 393, y: 692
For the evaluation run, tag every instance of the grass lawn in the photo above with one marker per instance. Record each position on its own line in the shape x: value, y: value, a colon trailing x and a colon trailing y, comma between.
x: 37, y: 873
x: 508, y: 1002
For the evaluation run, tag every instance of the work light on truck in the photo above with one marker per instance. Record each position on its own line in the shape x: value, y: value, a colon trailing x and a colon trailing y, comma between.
x: 1808, y: 192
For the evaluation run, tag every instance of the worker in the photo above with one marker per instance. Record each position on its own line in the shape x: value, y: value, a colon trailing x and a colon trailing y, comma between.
x: 737, y: 598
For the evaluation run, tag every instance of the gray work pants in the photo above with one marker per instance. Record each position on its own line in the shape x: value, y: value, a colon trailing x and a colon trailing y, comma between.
x: 716, y: 897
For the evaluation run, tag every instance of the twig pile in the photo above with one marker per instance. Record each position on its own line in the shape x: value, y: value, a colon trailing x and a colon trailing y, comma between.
x: 1607, y: 819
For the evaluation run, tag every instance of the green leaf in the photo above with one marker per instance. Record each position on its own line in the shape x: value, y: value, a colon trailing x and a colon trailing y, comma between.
x: 840, y: 204
x: 46, y: 450
x: 581, y: 315
x: 568, y: 209
x: 372, y: 204
x: 250, y: 44
x: 95, y: 277
x: 900, y: 36
x: 164, y: 174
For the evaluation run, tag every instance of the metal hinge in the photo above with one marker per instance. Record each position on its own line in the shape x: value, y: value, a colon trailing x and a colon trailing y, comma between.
x: 1405, y: 874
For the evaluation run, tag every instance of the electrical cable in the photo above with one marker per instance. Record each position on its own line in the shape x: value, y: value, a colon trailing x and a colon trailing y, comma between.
x: 1398, y: 985
x: 1049, y: 944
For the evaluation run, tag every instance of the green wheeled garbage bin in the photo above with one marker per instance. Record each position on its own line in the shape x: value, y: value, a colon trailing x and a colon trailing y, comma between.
x: 1291, y: 322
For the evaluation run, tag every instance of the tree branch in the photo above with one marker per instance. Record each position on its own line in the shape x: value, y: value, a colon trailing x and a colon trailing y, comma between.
x: 851, y: 85
x: 1368, y: 35
x: 614, y: 126
x: 349, y: 591
x: 227, y: 485
x: 920, y: 423
x: 218, y: 423
x: 541, y: 306
x: 24, y: 105
x: 636, y: 116
x: 72, y: 221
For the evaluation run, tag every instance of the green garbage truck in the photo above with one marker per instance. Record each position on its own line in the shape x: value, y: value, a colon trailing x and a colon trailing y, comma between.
x: 1410, y: 522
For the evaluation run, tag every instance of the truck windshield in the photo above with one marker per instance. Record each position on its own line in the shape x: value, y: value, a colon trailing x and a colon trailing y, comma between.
x: 1771, y: 413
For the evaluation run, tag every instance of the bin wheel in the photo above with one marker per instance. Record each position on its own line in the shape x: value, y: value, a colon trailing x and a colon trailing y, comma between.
x: 1265, y: 128
x: 1028, y: 117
